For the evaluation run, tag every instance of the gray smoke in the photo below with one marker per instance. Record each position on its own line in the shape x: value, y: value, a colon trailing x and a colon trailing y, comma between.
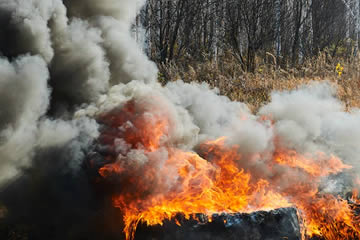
x: 64, y: 63
x: 24, y: 98
x: 57, y: 56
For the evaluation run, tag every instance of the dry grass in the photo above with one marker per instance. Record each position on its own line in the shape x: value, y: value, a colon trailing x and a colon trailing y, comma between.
x: 255, y: 88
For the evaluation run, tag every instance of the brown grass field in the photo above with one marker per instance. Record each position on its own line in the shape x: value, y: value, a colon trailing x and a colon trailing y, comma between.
x: 255, y: 89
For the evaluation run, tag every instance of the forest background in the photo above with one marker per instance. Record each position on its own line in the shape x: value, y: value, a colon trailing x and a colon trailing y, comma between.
x: 248, y: 48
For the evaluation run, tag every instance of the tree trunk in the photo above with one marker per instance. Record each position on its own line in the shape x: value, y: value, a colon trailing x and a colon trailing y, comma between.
x: 278, y: 28
x: 296, y: 43
x: 357, y: 26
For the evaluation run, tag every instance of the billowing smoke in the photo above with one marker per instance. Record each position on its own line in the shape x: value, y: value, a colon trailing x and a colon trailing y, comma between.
x: 66, y: 64
x: 56, y: 56
x: 312, y: 119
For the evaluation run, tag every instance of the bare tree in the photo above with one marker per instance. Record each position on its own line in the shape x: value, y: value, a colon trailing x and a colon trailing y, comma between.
x: 278, y: 27
x: 294, y: 30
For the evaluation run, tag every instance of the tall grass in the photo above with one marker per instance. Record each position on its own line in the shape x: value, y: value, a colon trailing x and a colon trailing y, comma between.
x: 255, y: 88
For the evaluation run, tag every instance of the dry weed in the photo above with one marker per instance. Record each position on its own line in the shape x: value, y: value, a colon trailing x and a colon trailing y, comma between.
x: 255, y: 88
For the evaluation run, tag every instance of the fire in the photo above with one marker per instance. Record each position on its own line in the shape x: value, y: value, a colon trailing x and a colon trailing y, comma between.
x: 324, y: 165
x: 216, y: 178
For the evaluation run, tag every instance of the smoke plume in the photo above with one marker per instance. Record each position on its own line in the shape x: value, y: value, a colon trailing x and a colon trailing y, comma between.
x: 66, y: 64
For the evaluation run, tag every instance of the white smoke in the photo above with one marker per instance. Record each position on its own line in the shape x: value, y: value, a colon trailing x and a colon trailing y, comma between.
x: 216, y: 116
x: 312, y: 119
x: 81, y: 62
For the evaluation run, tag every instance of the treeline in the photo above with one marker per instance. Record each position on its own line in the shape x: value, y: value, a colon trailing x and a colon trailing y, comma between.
x: 286, y: 32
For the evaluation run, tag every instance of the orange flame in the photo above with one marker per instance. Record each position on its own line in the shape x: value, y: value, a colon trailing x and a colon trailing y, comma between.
x: 220, y: 180
x: 324, y: 165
